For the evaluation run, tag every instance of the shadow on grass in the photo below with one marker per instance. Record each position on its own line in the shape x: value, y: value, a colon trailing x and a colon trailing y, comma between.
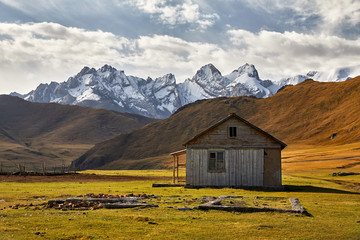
x: 309, y: 188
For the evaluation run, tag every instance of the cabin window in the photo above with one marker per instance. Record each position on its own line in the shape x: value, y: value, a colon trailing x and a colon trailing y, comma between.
x: 232, y: 131
x: 216, y: 161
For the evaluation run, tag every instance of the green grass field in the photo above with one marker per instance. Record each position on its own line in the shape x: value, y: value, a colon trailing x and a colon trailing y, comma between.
x: 335, y: 211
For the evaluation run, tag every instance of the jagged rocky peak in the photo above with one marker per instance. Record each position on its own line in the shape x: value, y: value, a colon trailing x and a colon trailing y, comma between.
x: 168, y: 79
x: 311, y: 73
x: 107, y: 68
x: 85, y: 70
x: 209, y: 71
x: 248, y: 69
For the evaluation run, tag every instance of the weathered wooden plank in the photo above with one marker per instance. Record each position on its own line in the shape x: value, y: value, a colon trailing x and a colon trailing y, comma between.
x: 188, y: 165
x: 219, y: 135
x: 257, y: 173
x: 238, y: 168
x: 200, y: 169
x: 254, y: 172
x: 206, y: 167
x: 241, y: 167
x: 203, y: 170
x: 244, y: 169
x: 196, y: 167
x: 250, y: 164
x: 231, y: 160
x: 193, y: 167
x: 279, y: 171
x: 258, y: 170
x: 261, y: 179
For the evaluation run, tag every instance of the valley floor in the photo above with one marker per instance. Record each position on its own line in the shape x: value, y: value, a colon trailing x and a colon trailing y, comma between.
x: 333, y: 202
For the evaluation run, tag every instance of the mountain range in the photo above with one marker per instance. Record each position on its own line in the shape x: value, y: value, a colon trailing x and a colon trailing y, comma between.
x: 313, y: 113
x: 112, y: 89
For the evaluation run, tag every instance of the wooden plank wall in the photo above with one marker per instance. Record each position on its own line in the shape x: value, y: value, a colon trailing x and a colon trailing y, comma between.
x: 246, y: 136
x: 243, y: 167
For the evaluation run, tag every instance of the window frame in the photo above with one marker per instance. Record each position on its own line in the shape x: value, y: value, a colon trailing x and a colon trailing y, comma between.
x: 217, y: 160
x: 232, y: 132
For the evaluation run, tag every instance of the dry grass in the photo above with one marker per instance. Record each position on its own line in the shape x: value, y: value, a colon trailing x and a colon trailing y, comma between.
x: 306, y: 158
x: 335, y: 212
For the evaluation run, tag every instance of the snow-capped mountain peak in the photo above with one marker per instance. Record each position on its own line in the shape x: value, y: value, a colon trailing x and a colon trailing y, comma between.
x: 247, y: 69
x: 110, y: 88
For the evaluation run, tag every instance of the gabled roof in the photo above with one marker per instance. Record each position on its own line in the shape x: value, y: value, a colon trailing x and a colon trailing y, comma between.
x: 233, y: 115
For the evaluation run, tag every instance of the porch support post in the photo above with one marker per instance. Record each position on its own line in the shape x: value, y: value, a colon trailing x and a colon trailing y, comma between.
x: 173, y: 179
x: 177, y: 168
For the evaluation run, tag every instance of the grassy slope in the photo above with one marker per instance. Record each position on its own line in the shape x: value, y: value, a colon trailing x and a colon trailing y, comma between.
x: 307, y: 113
x: 334, y: 207
x: 36, y: 132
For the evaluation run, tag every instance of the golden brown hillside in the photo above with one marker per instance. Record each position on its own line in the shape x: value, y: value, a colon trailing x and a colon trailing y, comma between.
x: 35, y: 132
x: 308, y: 113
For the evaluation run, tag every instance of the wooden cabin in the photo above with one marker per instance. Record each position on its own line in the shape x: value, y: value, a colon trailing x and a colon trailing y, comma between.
x: 233, y: 153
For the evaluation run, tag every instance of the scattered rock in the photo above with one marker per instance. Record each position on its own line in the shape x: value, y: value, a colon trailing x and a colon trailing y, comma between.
x: 40, y: 233
x: 332, y: 136
x: 344, y: 174
x: 93, y: 201
x: 184, y: 209
x: 127, y: 205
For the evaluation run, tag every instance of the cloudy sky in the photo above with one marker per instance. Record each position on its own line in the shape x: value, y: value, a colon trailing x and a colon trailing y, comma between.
x: 50, y: 40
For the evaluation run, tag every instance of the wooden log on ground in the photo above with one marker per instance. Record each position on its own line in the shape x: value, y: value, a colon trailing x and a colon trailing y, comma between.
x: 102, y: 200
x: 168, y: 185
x: 242, y: 209
x: 296, y: 206
x: 127, y: 205
x: 216, y: 205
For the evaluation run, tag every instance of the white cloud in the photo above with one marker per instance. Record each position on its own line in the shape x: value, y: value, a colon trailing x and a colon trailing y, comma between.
x: 41, y: 52
x: 33, y: 53
x: 334, y: 14
x: 290, y: 52
x: 172, y: 13
x: 36, y: 53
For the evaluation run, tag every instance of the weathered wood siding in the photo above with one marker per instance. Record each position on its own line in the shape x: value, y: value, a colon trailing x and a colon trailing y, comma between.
x: 246, y: 137
x: 272, y: 167
x: 243, y: 167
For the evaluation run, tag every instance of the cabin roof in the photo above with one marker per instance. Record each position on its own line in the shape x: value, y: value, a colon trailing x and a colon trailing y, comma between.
x: 233, y: 115
x: 180, y: 152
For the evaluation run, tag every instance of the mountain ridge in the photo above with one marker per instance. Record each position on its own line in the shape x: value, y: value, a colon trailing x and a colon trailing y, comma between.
x: 38, y: 132
x: 112, y: 89
x: 308, y: 113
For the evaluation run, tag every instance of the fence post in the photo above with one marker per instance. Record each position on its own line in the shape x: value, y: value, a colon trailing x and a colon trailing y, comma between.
x: 63, y: 167
x: 43, y: 167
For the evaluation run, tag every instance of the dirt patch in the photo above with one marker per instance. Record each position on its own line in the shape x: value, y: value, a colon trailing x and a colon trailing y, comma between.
x: 79, y: 178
